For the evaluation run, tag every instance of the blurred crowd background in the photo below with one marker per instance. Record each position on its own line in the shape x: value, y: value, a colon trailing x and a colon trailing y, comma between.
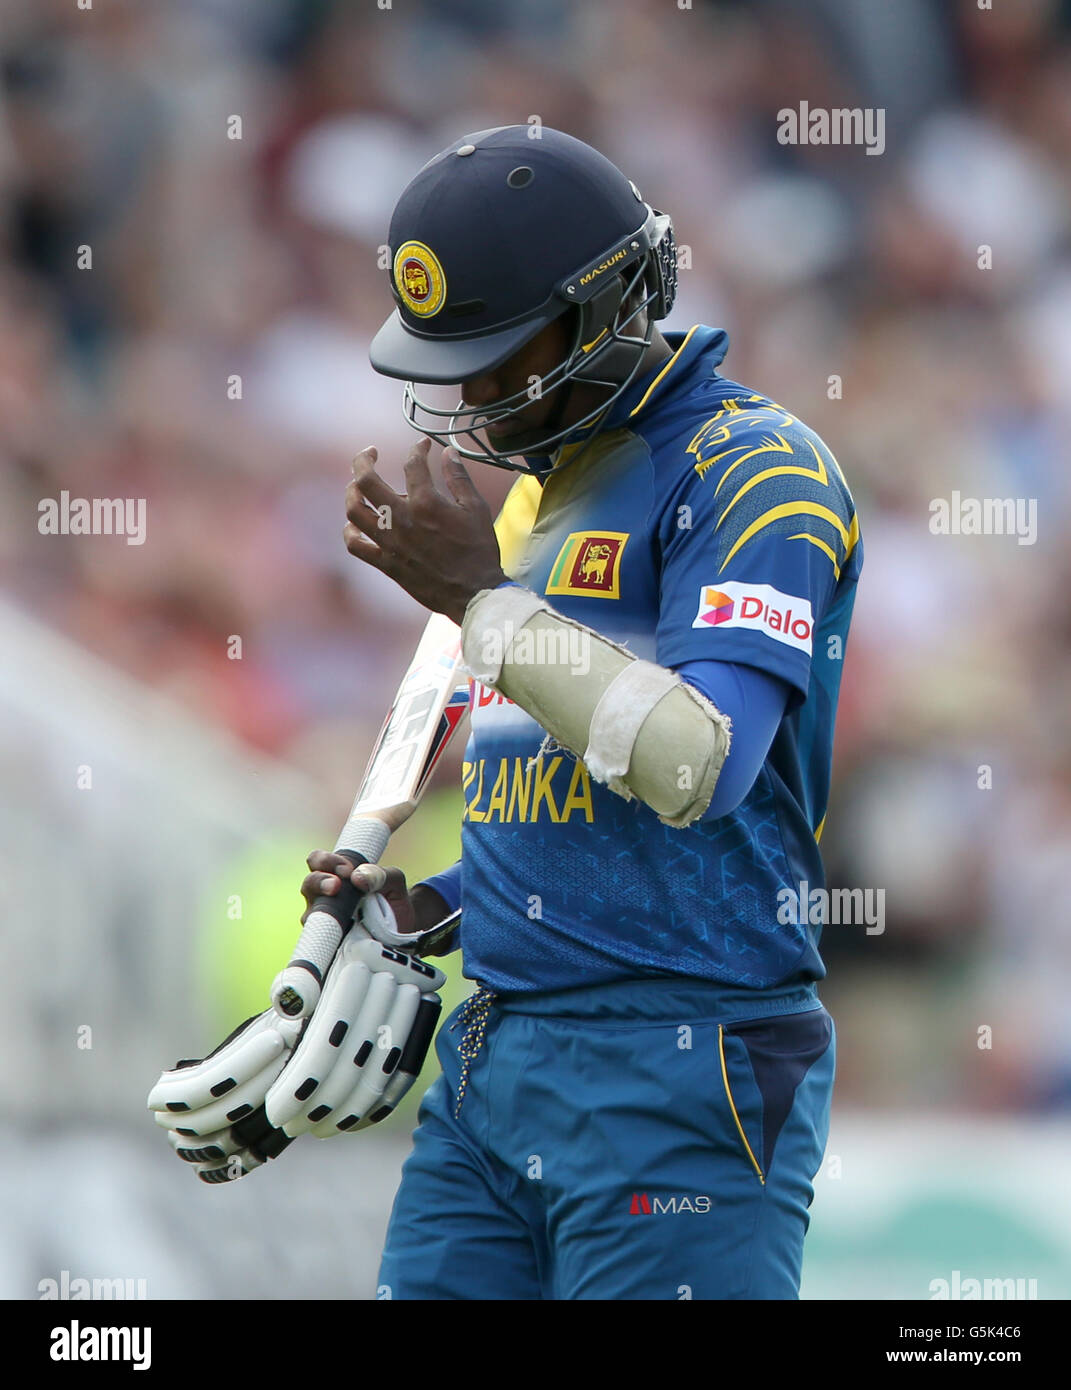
x: 259, y: 258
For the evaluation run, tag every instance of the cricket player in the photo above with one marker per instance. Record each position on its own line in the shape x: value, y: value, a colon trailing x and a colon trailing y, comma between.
x: 635, y: 1101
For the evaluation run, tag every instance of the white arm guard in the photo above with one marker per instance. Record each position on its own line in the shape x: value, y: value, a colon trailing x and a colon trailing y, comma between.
x: 640, y: 729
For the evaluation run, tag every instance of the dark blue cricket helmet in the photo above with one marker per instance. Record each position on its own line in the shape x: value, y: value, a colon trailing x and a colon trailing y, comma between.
x: 498, y: 236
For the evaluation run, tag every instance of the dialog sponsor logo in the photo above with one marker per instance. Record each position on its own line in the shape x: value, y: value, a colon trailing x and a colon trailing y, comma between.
x: 761, y: 607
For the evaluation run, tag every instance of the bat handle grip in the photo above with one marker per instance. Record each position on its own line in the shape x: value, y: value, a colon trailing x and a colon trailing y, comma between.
x: 295, y: 991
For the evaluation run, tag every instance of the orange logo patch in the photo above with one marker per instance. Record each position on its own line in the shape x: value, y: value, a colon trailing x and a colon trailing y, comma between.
x: 589, y: 563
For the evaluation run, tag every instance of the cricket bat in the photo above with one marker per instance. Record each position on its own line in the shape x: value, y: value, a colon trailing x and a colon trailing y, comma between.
x: 424, y: 716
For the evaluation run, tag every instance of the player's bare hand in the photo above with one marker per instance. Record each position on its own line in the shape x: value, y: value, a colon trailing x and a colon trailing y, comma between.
x: 414, y: 910
x: 440, y: 546
x: 328, y: 870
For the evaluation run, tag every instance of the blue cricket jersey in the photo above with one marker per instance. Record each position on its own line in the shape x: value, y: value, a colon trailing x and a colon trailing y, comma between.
x: 704, y: 523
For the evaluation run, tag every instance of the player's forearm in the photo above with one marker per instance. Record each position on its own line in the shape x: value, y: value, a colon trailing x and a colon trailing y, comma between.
x: 434, y: 899
x: 429, y: 906
x: 640, y: 729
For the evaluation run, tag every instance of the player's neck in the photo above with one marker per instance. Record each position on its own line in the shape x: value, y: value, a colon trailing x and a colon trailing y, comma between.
x: 658, y: 352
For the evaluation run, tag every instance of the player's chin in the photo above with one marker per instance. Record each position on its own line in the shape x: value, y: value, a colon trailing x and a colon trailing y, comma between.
x: 507, y: 438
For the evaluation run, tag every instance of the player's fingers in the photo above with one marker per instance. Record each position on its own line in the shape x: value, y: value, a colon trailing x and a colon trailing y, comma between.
x: 368, y: 482
x: 376, y: 878
x: 393, y: 888
x: 418, y: 480
x: 313, y: 886
x: 368, y: 878
x: 456, y: 477
x: 375, y: 519
x: 326, y: 878
x: 329, y: 861
x: 362, y: 548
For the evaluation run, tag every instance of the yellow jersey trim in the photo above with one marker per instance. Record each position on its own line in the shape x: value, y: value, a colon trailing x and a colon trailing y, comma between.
x: 661, y: 375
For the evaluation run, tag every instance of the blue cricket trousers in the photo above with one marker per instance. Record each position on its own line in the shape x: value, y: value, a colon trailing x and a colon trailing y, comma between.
x: 649, y: 1139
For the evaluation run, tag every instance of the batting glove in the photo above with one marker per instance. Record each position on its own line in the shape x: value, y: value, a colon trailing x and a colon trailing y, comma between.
x: 213, y: 1108
x: 364, y: 1045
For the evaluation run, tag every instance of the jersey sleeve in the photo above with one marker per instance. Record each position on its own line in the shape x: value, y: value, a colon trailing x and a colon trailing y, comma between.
x: 448, y: 886
x: 753, y: 542
x: 755, y: 703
